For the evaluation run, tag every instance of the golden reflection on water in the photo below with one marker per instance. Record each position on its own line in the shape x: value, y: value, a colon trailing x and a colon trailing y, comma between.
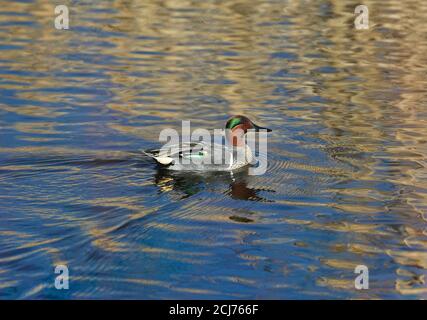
x: 347, y: 155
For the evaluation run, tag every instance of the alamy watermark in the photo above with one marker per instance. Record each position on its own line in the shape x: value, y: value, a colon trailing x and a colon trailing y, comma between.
x: 362, y: 20
x: 62, y: 280
x: 62, y: 20
x: 362, y: 280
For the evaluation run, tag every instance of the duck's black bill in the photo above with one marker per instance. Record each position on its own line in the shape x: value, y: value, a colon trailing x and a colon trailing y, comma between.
x: 258, y: 128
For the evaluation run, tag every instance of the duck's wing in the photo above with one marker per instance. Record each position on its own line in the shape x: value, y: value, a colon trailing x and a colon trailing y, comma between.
x: 187, y: 150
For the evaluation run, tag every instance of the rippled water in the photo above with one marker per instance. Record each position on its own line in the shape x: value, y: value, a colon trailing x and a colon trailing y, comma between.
x: 346, y: 183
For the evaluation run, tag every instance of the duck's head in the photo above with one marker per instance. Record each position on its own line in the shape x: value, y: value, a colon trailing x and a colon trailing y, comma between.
x: 237, y: 126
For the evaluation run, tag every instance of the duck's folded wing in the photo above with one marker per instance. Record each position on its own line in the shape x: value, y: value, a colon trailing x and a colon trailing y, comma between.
x: 168, y: 154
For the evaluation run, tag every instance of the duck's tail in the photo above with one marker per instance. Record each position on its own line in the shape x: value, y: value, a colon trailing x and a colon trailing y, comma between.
x: 161, y: 159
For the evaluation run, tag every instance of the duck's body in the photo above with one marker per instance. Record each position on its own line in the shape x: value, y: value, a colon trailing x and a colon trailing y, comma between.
x: 204, y: 156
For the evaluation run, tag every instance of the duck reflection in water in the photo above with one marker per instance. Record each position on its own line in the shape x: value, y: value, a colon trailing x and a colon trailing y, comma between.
x: 182, y: 185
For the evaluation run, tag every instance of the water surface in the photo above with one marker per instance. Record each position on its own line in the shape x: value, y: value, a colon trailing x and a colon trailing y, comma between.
x: 346, y: 183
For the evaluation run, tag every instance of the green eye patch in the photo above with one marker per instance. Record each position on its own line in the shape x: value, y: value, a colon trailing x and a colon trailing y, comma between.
x: 233, y: 122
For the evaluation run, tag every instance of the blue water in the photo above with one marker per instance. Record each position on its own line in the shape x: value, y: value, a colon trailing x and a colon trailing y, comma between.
x: 346, y: 181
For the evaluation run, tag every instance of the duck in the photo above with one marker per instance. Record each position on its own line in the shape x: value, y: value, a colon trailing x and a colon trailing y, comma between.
x: 233, y: 153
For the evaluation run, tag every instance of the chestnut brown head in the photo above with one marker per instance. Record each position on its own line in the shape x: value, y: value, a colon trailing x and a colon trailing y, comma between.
x: 238, y: 125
